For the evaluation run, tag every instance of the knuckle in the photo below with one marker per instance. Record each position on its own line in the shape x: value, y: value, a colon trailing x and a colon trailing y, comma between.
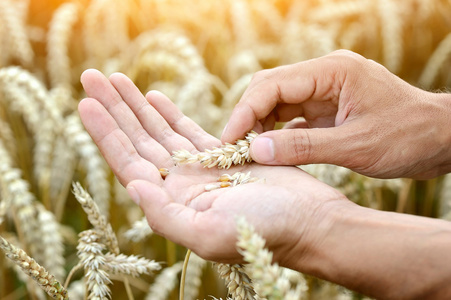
x: 262, y: 75
x: 348, y: 57
x: 300, y: 146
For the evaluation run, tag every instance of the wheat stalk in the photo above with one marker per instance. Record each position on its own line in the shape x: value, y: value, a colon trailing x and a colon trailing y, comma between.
x: 193, y: 277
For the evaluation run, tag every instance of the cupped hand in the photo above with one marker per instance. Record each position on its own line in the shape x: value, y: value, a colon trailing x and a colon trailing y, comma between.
x: 137, y: 136
x: 356, y: 114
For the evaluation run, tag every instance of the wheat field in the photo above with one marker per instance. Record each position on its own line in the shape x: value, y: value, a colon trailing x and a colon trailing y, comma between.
x: 69, y: 229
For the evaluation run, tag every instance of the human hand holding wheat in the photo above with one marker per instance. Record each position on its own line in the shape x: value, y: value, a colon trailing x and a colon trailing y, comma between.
x: 138, y: 136
x: 309, y: 226
x: 365, y: 118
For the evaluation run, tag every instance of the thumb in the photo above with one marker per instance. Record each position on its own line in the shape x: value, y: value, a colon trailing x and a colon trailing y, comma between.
x: 302, y: 146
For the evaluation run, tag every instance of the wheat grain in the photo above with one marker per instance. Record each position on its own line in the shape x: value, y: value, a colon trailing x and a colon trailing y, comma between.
x: 223, y: 157
x: 30, y: 267
x: 238, y: 283
x: 226, y: 180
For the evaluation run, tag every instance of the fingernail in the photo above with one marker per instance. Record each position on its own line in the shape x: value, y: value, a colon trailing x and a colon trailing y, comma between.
x: 133, y: 194
x: 224, y: 130
x: 262, y: 149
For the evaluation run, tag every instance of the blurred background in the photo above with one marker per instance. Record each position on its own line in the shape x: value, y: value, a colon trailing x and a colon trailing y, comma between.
x: 202, y: 54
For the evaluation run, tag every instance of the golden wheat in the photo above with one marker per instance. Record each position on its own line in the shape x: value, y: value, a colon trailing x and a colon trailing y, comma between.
x: 39, y: 274
x: 202, y: 54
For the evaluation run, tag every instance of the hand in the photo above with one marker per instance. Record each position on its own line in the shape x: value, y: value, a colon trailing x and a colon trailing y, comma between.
x: 365, y: 118
x: 137, y: 136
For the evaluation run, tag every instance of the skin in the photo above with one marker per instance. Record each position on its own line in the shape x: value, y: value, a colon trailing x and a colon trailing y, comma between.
x: 309, y: 226
x: 356, y: 106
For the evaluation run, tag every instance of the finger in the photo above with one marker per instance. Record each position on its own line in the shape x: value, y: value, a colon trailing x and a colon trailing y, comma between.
x: 180, y: 224
x: 306, y: 146
x: 317, y: 80
x: 181, y: 123
x: 151, y: 120
x: 97, y: 86
x: 296, y: 123
x: 287, y: 112
x: 114, y: 144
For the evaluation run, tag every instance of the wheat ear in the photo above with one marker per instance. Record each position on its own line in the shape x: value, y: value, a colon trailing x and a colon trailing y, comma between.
x: 92, y: 161
x: 139, y: 231
x: 16, y: 33
x: 238, y: 282
x: 38, y: 273
x: 391, y: 31
x: 58, y: 38
x: 164, y: 283
x: 436, y: 62
x: 267, y: 279
x: 223, y: 157
x: 96, y: 218
x: 92, y: 259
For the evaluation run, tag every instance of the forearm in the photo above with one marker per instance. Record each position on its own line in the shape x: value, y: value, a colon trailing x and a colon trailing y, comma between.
x: 382, y: 254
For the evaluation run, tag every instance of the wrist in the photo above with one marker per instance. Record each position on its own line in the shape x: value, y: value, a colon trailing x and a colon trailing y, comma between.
x: 316, y: 227
x: 442, y: 115
x: 380, y: 254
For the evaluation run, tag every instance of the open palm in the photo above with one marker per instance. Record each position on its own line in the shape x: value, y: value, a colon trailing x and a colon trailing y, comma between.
x: 137, y: 136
